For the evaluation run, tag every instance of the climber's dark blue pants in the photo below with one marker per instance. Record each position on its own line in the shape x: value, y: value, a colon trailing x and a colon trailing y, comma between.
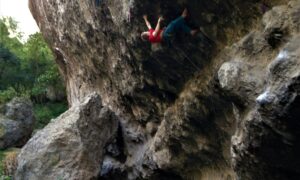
x: 178, y: 25
x: 97, y: 2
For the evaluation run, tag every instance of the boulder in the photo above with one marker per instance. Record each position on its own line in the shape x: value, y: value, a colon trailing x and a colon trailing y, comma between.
x: 16, y: 125
x: 241, y: 80
x: 267, y: 143
x: 71, y: 146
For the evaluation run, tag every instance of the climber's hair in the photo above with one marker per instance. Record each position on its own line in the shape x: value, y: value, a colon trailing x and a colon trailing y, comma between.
x: 145, y: 36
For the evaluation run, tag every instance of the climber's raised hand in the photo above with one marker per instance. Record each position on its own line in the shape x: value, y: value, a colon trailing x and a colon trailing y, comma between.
x: 147, y: 22
x: 161, y: 18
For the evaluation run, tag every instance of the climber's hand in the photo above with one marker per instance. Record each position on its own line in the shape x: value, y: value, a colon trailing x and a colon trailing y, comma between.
x: 161, y: 18
x: 145, y: 17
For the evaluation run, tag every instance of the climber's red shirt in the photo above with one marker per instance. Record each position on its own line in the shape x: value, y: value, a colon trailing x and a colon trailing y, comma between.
x: 156, y: 39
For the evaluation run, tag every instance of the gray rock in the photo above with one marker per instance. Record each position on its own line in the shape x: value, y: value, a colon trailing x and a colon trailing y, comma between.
x: 102, y: 51
x: 20, y: 109
x: 241, y: 80
x: 265, y: 144
x: 71, y: 146
x: 17, y: 123
x: 176, y: 118
x: 268, y: 144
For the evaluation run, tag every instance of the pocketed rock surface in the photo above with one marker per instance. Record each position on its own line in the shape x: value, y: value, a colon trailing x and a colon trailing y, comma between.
x: 221, y: 105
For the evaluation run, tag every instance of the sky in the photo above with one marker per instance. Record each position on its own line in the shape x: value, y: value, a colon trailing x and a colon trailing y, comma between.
x: 19, y: 10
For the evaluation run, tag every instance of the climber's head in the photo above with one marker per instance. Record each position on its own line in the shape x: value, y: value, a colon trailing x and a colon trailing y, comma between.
x: 145, y: 35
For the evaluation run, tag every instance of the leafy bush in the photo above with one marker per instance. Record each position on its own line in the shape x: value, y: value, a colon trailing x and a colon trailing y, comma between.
x: 29, y: 68
x: 45, y: 112
x: 7, y: 95
x: 50, y: 78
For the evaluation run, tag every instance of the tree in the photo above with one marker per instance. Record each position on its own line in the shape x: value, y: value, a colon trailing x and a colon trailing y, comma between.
x: 9, y: 68
x: 10, y: 37
x: 29, y: 67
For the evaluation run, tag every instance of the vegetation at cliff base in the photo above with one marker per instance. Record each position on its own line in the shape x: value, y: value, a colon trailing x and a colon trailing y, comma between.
x: 45, y: 112
x: 27, y: 69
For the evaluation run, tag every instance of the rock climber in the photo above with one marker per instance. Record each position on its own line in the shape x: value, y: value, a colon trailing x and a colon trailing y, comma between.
x: 159, y: 34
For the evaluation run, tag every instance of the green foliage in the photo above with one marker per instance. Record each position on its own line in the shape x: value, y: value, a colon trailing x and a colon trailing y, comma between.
x: 9, y: 35
x: 45, y: 112
x: 50, y: 77
x: 9, y: 66
x: 26, y: 69
x: 7, y: 95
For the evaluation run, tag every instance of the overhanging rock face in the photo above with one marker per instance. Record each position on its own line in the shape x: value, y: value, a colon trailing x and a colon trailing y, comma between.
x: 180, y: 106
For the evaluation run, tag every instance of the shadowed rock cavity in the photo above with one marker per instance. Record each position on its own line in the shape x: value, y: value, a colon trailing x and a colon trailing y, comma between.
x: 191, y: 110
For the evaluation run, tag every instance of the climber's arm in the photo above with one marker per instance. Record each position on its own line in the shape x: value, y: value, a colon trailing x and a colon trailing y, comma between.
x: 147, y: 22
x: 155, y: 33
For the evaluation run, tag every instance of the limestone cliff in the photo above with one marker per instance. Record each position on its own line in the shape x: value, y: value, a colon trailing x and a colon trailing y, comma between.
x: 224, y: 105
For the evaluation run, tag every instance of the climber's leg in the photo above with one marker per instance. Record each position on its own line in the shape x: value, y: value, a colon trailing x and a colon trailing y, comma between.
x: 171, y: 28
x: 183, y: 27
x: 176, y: 26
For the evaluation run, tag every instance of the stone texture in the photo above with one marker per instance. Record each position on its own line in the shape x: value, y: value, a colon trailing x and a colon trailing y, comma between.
x: 241, y: 80
x: 71, y: 146
x: 267, y: 144
x: 179, y: 106
x: 266, y: 140
x: 16, y: 123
